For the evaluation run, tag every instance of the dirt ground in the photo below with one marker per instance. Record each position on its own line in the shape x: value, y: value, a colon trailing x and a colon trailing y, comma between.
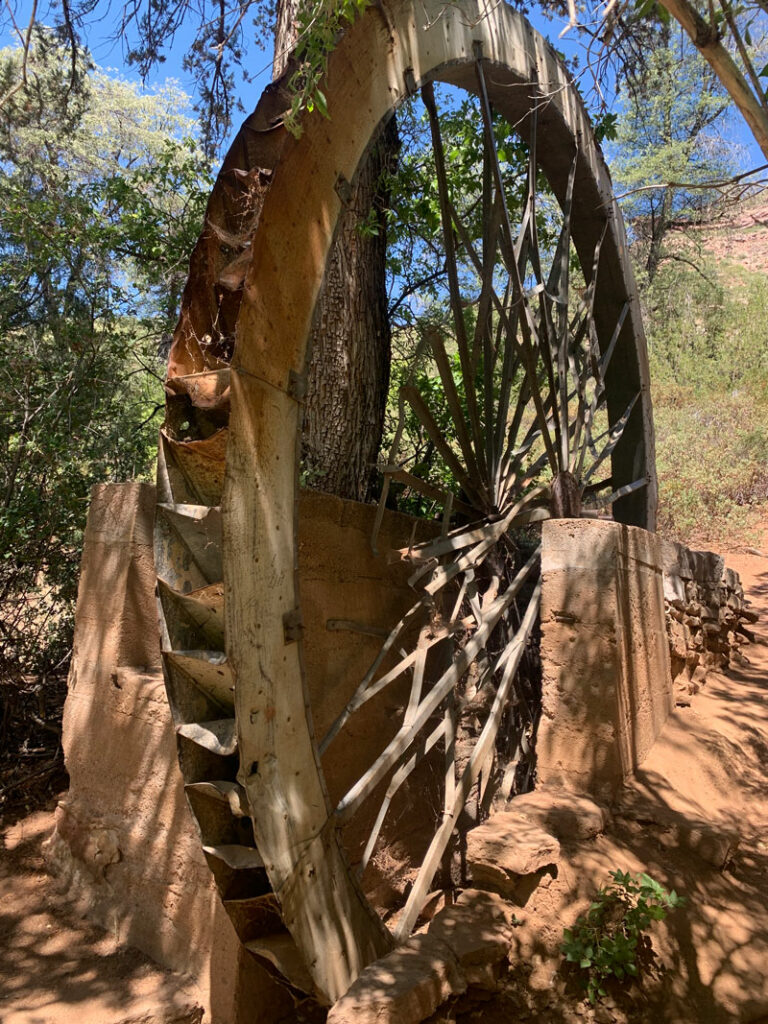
x: 710, y: 764
x: 56, y: 968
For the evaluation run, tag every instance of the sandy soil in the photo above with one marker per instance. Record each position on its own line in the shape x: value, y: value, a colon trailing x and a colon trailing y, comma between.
x: 56, y: 967
x: 709, y: 764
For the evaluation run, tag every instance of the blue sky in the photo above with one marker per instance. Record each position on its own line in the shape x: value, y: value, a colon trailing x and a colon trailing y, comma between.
x: 109, y: 54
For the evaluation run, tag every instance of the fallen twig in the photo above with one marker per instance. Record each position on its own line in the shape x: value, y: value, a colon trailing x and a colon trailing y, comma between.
x: 58, y: 761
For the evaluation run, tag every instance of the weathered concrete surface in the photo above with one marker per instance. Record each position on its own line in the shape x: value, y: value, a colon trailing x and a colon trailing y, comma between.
x: 350, y: 599
x: 124, y: 840
x: 606, y: 678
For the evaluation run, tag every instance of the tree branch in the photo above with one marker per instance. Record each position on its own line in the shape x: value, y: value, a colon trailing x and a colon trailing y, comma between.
x: 25, y: 44
x: 707, y: 41
x: 706, y: 186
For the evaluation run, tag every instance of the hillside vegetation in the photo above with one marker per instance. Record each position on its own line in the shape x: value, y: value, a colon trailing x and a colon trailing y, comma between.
x: 706, y: 315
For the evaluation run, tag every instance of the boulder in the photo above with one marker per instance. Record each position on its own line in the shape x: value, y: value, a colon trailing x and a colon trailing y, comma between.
x: 505, y: 847
x: 563, y: 814
x: 403, y: 987
x: 478, y: 928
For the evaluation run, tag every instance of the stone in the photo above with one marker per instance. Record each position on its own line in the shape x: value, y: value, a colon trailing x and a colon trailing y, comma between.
x: 685, y: 826
x: 712, y: 608
x: 674, y: 589
x: 404, y: 987
x: 491, y: 905
x: 505, y: 847
x: 678, y: 639
x: 563, y: 814
x: 479, y: 931
x: 714, y: 845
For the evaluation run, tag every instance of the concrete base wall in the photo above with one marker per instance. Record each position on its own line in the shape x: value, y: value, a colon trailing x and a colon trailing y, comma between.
x: 606, y: 688
x: 125, y: 841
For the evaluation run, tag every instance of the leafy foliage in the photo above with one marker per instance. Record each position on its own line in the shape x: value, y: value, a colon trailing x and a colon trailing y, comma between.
x: 218, y: 42
x: 667, y: 131
x: 101, y: 195
x: 607, y: 941
x: 318, y: 24
x: 709, y: 375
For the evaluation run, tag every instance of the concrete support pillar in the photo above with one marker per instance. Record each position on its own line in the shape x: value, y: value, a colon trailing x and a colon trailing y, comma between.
x: 607, y: 685
x: 125, y: 842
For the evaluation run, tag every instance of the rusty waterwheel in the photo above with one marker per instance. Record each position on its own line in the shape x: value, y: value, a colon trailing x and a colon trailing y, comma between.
x: 538, y: 406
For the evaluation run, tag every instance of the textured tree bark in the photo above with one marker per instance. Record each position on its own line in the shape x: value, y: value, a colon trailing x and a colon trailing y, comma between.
x: 348, y: 371
x: 350, y: 343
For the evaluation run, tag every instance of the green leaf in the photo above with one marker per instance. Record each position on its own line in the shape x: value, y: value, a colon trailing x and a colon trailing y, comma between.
x: 322, y: 104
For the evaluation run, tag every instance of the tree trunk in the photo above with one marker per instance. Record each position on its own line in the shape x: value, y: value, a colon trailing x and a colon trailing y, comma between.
x: 659, y: 228
x: 350, y: 344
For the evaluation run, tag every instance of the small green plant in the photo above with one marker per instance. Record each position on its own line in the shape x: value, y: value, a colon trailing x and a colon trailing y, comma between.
x: 320, y: 24
x: 609, y: 941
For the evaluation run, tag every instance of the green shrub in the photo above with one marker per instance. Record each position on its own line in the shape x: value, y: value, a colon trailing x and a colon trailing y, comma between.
x: 709, y: 379
x: 608, y: 941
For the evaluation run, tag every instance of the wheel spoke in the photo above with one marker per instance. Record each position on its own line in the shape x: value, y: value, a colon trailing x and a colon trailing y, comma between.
x: 464, y: 658
x: 528, y: 329
x: 622, y: 492
x: 423, y: 747
x: 424, y: 414
x: 614, y: 434
x: 454, y: 404
x: 428, y: 96
x: 549, y: 348
x: 512, y: 655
